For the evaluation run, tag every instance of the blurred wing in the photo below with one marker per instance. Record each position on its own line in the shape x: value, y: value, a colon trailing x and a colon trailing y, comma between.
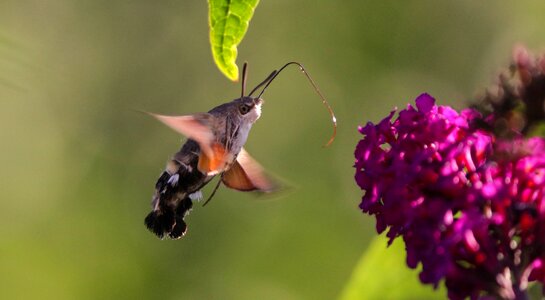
x: 197, y: 127
x: 214, y: 163
x: 247, y: 175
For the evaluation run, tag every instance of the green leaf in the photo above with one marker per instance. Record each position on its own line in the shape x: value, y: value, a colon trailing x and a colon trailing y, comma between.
x: 383, y: 274
x: 229, y: 21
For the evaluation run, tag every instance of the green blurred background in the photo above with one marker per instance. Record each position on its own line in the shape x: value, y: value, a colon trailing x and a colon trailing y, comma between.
x: 78, y: 165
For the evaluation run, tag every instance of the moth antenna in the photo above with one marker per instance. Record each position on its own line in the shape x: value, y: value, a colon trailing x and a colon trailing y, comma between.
x: 244, y: 77
x: 214, y: 191
x: 271, y: 77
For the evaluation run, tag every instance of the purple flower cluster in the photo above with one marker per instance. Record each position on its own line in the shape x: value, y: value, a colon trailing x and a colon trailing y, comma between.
x: 468, y: 205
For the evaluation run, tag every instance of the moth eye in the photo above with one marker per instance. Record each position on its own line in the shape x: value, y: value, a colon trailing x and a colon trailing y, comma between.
x: 244, y: 109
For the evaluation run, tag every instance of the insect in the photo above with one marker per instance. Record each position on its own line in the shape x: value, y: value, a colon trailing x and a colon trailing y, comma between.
x: 214, y: 148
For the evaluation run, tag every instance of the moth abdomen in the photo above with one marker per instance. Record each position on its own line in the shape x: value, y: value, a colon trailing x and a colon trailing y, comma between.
x: 180, y: 228
x: 160, y: 221
x: 172, y: 201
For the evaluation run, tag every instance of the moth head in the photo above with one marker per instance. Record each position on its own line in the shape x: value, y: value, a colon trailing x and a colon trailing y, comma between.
x: 249, y: 108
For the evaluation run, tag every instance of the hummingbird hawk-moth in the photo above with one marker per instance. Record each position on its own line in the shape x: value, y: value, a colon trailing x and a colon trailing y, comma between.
x: 214, y: 147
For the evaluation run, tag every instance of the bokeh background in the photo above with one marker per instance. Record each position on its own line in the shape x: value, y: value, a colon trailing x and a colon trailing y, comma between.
x: 78, y: 164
